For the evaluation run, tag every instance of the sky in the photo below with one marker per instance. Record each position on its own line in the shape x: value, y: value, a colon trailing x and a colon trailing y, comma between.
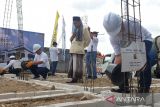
x: 39, y: 16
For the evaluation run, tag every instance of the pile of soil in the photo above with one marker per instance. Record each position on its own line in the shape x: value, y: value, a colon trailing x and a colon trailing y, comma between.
x: 11, y: 85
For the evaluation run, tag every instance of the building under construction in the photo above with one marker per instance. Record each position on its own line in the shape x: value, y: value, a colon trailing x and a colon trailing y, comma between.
x: 11, y: 44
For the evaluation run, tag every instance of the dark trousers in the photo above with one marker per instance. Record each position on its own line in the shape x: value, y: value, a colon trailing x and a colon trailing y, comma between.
x: 145, y: 76
x: 37, y: 71
x: 15, y: 71
x: 125, y: 85
x: 53, y: 67
x: 91, y: 63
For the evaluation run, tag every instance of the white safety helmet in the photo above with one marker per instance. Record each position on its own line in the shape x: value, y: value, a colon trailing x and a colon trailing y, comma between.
x: 12, y: 57
x: 36, y: 47
x: 112, y: 23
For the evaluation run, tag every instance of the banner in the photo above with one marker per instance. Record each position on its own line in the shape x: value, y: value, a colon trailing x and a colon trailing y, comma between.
x: 63, y: 38
x: 9, y: 39
x: 54, y: 36
x: 133, y: 56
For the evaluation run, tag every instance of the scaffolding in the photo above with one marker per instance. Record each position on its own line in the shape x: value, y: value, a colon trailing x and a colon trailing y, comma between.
x: 20, y: 21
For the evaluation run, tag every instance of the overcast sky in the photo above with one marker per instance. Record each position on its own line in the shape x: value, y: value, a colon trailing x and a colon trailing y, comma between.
x: 39, y: 16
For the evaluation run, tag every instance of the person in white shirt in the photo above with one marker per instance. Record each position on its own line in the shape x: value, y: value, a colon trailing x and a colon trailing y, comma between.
x: 121, y: 31
x: 40, y: 65
x: 11, y: 66
x: 54, y: 58
x: 91, y: 56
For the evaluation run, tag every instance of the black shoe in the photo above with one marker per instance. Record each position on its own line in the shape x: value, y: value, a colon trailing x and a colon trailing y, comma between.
x: 90, y: 77
x: 44, y: 78
x: 120, y: 90
x: 72, y: 81
x: 53, y: 74
x: 36, y: 77
x: 95, y: 77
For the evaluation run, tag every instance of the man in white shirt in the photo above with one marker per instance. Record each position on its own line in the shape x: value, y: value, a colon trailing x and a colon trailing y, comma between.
x: 119, y: 31
x: 11, y: 66
x: 40, y: 65
x: 91, y: 56
x: 54, y: 57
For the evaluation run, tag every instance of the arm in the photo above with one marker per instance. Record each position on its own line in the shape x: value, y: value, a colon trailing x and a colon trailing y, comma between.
x: 9, y: 65
x: 36, y: 61
x: 72, y: 37
x: 115, y: 42
x: 87, y: 37
x: 116, y: 46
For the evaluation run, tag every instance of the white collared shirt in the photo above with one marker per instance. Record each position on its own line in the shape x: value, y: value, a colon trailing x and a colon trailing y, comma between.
x: 53, y: 53
x: 94, y: 43
x: 11, y: 62
x: 134, y: 30
x: 42, y: 57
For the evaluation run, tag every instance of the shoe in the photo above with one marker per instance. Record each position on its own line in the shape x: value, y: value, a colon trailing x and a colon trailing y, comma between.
x: 44, y: 79
x: 36, y: 77
x: 90, y: 77
x: 95, y: 77
x: 120, y: 91
x: 72, y: 81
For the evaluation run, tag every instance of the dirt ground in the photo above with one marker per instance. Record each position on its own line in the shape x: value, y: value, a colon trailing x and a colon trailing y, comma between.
x: 46, y: 101
x: 8, y: 85
x: 101, y: 81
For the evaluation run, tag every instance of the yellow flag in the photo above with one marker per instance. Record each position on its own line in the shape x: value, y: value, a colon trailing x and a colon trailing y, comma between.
x: 54, y: 36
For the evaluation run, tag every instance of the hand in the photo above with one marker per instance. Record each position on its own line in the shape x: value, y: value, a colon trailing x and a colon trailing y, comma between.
x: 117, y: 59
x: 2, y: 70
x: 72, y: 37
x: 29, y: 64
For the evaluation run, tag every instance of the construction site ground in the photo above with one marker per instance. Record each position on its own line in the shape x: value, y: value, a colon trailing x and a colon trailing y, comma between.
x: 12, y: 85
x: 46, y: 101
x: 101, y: 81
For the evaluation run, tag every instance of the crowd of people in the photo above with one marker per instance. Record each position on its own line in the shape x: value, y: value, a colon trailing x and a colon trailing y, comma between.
x: 82, y: 38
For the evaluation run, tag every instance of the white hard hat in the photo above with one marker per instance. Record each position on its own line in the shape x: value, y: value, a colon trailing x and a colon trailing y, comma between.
x: 112, y: 23
x: 36, y: 47
x: 12, y: 57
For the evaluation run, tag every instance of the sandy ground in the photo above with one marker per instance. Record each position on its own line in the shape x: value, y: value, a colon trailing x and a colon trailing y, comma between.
x: 101, y: 81
x: 11, y: 85
x: 8, y: 85
x: 47, y: 101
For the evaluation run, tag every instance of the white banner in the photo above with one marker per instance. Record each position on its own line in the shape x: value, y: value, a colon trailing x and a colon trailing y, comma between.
x: 133, y: 57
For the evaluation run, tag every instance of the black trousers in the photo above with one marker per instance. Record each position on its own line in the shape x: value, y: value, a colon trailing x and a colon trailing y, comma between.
x: 37, y: 71
x: 15, y: 71
x: 125, y: 85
